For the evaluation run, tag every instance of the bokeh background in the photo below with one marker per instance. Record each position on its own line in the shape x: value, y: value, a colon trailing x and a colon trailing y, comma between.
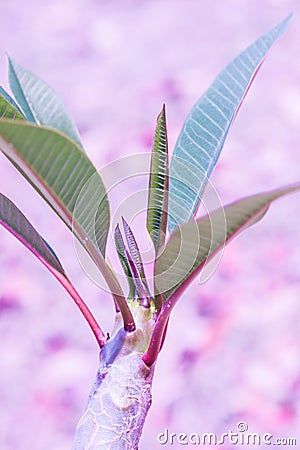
x: 232, y: 351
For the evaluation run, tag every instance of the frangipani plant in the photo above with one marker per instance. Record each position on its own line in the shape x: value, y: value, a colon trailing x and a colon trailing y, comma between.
x: 41, y: 140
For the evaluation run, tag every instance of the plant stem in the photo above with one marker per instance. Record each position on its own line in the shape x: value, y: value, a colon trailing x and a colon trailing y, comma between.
x: 95, y: 327
x: 158, y: 335
x: 121, y: 395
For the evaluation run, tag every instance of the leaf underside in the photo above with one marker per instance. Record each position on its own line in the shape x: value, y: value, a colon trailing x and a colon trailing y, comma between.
x: 192, y: 244
x: 204, y: 131
x: 39, y: 102
x: 15, y: 222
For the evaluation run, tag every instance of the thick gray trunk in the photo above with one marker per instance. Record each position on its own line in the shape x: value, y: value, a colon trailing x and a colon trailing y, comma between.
x: 120, y: 398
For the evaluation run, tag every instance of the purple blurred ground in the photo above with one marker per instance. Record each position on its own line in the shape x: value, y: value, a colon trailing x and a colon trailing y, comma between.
x: 232, y: 352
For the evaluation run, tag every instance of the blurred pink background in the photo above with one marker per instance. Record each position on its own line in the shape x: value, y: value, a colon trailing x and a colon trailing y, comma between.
x: 232, y: 351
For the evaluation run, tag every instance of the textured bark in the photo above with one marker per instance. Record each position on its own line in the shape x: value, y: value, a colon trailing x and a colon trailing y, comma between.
x: 120, y: 398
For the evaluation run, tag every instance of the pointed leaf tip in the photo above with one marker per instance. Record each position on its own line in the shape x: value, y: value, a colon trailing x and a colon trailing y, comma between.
x: 157, y: 210
x: 283, y: 26
x: 206, y: 127
x: 39, y: 102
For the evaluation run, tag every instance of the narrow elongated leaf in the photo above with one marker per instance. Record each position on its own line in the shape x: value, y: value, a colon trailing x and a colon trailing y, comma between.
x: 191, y: 245
x: 205, y: 129
x: 121, y: 250
x: 8, y: 107
x: 58, y: 169
x: 181, y: 263
x: 15, y: 222
x: 157, y: 211
x: 39, y: 102
x: 135, y: 256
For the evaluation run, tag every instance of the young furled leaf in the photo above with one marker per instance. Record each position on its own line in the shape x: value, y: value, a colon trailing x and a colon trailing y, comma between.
x: 135, y: 256
x: 58, y: 169
x: 157, y: 211
x: 140, y: 286
x: 39, y: 102
x: 15, y: 222
x: 204, y: 131
x: 121, y: 250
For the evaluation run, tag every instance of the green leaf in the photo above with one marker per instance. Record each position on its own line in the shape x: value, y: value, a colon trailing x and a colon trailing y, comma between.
x: 15, y: 222
x: 39, y: 102
x: 58, y: 169
x: 139, y: 283
x: 8, y: 107
x: 135, y: 261
x: 133, y: 249
x: 204, y: 131
x: 157, y: 211
x: 193, y: 243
